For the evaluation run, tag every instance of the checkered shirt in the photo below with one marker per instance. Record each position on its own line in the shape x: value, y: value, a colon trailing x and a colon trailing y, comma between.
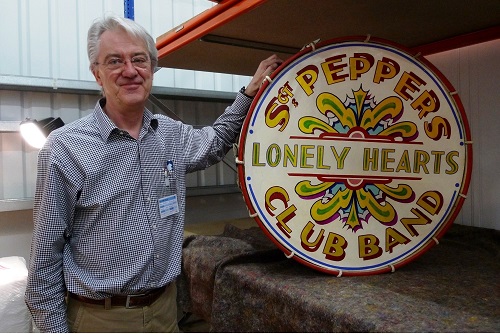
x: 98, y: 230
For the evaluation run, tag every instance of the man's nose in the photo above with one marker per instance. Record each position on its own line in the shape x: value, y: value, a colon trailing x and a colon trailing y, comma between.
x: 128, y: 68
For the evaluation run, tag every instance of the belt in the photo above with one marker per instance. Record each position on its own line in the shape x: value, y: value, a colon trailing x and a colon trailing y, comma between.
x: 129, y: 301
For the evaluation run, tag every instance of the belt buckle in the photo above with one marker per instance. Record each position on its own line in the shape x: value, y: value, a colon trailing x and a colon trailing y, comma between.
x: 127, y: 302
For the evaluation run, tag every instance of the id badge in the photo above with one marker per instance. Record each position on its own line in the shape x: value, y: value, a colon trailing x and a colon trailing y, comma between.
x: 168, y: 206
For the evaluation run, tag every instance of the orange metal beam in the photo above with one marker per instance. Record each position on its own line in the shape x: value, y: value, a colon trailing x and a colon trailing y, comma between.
x: 204, y: 23
x: 193, y: 23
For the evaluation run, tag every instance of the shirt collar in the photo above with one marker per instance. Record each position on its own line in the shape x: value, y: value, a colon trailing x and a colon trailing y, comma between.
x: 106, y: 125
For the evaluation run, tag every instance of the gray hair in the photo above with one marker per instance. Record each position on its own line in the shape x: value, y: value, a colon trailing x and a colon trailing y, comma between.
x: 115, y: 22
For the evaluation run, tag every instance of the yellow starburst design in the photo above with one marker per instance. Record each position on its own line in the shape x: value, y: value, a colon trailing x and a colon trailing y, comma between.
x: 339, y: 199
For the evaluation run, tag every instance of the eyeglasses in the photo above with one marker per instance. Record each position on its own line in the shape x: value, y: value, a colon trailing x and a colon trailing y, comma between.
x: 112, y: 64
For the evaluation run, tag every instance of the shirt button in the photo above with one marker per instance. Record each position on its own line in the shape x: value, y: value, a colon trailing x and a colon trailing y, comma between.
x: 154, y: 226
x: 157, y: 256
x: 149, y: 199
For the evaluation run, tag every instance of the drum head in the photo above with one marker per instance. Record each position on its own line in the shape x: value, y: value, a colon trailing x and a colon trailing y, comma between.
x: 355, y: 156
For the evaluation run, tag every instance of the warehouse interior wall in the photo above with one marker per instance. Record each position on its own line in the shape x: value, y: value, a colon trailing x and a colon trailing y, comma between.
x: 45, y: 39
x: 474, y: 72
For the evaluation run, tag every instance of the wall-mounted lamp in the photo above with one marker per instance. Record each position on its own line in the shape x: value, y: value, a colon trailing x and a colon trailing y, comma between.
x: 35, y: 132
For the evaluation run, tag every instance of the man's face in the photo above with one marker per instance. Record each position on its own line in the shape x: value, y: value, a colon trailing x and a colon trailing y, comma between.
x: 126, y: 86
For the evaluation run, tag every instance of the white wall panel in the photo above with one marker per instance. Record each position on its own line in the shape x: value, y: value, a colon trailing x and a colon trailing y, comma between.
x: 66, y: 41
x: 205, y: 80
x: 161, y: 19
x: 86, y: 12
x: 474, y: 72
x: 39, y: 28
x: 223, y: 82
x: 10, y: 33
x: 47, y: 38
x: 183, y: 10
x: 12, y: 163
x: 10, y: 107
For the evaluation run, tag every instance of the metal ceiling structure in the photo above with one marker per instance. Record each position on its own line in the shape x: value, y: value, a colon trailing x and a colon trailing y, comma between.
x: 235, y: 35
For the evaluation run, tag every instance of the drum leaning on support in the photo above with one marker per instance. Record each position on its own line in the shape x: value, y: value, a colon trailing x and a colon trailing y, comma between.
x: 355, y: 156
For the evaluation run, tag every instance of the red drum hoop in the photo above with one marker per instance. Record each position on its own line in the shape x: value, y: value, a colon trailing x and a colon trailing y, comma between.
x: 355, y: 156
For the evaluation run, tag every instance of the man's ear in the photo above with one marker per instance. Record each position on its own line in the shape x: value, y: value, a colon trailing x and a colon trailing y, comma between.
x: 97, y: 76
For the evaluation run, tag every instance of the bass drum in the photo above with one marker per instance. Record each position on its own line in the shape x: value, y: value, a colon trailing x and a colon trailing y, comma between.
x: 355, y: 156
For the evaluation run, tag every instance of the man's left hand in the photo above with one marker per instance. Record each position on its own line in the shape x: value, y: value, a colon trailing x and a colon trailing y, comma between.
x: 266, y: 67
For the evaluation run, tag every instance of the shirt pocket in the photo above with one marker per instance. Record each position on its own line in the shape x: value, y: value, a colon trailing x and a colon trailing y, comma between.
x: 165, y: 182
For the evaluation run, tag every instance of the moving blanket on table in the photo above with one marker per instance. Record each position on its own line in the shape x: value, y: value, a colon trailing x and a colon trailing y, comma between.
x: 240, y: 282
x: 14, y: 315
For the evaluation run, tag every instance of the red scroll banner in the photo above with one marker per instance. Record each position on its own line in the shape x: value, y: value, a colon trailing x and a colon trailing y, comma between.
x: 355, y: 157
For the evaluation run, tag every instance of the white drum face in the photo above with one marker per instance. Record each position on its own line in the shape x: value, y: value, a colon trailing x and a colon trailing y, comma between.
x: 355, y: 157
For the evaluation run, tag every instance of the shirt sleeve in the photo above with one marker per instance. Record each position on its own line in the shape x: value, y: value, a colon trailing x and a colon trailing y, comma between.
x: 207, y: 146
x: 46, y: 290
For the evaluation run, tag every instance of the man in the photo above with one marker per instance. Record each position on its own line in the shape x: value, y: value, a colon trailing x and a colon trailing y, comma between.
x: 110, y: 195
